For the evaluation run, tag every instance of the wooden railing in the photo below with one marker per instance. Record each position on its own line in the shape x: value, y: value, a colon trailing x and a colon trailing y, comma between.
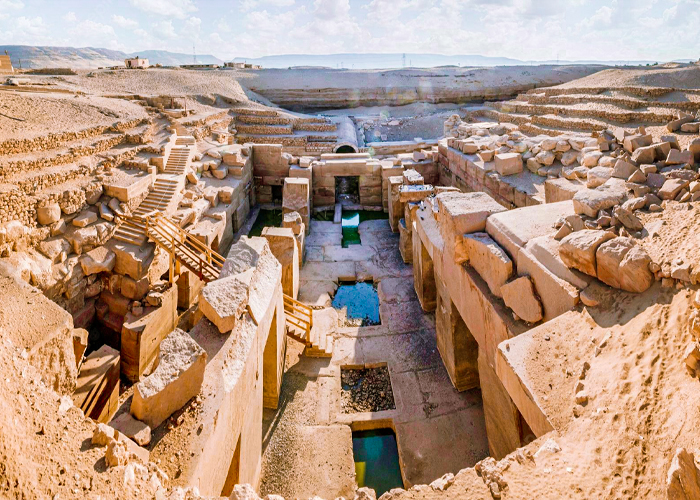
x: 299, y: 316
x: 183, y: 247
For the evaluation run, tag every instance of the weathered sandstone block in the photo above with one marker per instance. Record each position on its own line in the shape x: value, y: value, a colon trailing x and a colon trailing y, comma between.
x: 489, y: 260
x: 520, y: 296
x: 176, y: 380
x: 578, y: 250
x: 621, y: 263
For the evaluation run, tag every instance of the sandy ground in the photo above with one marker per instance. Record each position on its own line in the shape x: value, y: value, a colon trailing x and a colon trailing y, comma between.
x: 429, y: 416
x: 672, y: 75
x: 27, y: 115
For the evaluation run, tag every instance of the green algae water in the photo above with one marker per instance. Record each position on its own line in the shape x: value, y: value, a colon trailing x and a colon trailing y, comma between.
x: 351, y: 222
x: 266, y: 218
x: 377, y: 460
x: 361, y: 300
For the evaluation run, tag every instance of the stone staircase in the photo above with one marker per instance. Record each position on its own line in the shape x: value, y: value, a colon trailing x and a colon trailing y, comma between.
x: 558, y: 110
x: 164, y: 196
x: 268, y: 126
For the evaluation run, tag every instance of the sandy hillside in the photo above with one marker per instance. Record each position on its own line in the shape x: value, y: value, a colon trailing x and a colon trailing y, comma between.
x: 25, y: 116
x: 682, y: 77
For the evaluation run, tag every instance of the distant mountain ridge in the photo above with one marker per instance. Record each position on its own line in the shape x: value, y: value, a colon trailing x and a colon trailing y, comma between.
x: 386, y: 61
x: 27, y: 56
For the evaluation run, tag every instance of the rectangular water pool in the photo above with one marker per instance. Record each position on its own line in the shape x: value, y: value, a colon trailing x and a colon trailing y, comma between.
x: 376, y: 458
x: 361, y: 300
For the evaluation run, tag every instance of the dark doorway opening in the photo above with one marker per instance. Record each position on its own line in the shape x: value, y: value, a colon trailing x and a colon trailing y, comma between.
x: 345, y: 149
x: 277, y: 195
x: 347, y: 190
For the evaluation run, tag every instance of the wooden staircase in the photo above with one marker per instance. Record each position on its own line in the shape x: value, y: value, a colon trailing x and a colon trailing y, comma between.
x: 183, y: 248
x: 300, y: 327
x: 164, y: 195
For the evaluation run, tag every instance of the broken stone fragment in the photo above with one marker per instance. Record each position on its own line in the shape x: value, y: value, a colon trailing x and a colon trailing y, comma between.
x: 683, y: 478
x: 132, y: 428
x: 98, y: 260
x: 578, y: 250
x: 224, y: 301
x: 621, y: 263
x: 520, y: 296
x: 628, y: 219
x: 85, y: 219
x: 691, y: 356
x: 48, y: 214
x: 176, y: 380
x: 116, y: 454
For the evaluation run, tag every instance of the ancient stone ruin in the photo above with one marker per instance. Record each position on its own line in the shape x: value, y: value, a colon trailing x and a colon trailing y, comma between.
x: 205, y: 296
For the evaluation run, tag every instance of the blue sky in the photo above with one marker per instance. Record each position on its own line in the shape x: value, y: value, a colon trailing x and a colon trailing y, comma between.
x: 521, y: 29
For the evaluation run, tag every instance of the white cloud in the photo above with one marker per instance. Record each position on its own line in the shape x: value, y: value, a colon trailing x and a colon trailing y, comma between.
x: 192, y: 27
x: 93, y: 32
x: 332, y: 9
x: 248, y: 5
x: 125, y: 22
x: 11, y: 5
x: 166, y: 8
x: 70, y: 17
x: 164, y: 30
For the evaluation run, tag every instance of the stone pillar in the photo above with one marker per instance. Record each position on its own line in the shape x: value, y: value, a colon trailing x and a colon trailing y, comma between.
x: 296, y: 198
x: 274, y: 357
x: 188, y: 288
x: 458, y: 348
x: 284, y: 247
x: 423, y: 276
x: 500, y: 413
x: 395, y: 205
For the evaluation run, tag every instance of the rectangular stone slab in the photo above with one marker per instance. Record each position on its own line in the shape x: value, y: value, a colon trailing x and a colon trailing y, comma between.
x: 176, y: 380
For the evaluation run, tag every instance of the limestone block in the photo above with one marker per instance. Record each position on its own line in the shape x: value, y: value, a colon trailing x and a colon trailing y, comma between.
x: 635, y: 141
x: 105, y: 212
x: 591, y: 201
x: 520, y: 296
x: 488, y: 259
x: 176, y: 380
x: 48, y: 214
x: 226, y: 194
x: 578, y: 250
x: 597, y: 176
x: 671, y: 188
x: 623, y: 169
x: 645, y: 154
x: 98, y: 260
x: 512, y: 229
x: 621, y: 263
x: 676, y: 157
x: 132, y: 428
x: 546, y: 250
x: 557, y: 296
x: 296, y: 197
x: 509, y: 163
x: 85, y: 219
x: 561, y: 189
x: 55, y: 249
x: 224, y: 301
x: 461, y: 213
x: 284, y: 247
x: 412, y: 177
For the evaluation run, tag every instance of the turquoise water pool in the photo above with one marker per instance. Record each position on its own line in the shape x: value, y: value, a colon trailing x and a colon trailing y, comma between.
x: 266, y: 218
x: 376, y: 458
x: 351, y: 222
x: 361, y: 300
